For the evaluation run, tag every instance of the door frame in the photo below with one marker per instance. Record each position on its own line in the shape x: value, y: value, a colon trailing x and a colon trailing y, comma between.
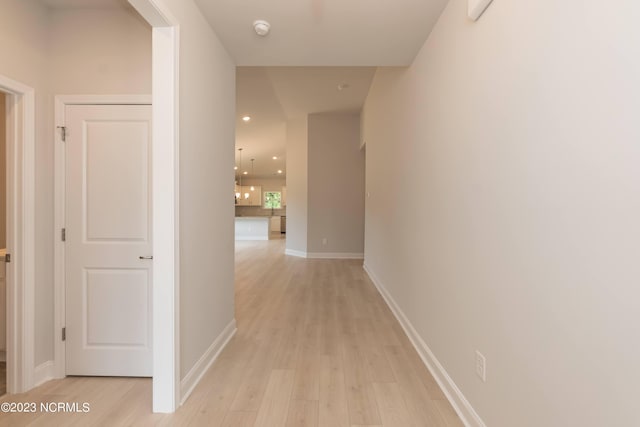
x: 20, y: 276
x: 165, y: 164
x: 166, y: 208
x: 59, y: 266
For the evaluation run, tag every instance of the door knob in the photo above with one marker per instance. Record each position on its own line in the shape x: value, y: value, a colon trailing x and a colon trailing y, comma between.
x: 146, y: 257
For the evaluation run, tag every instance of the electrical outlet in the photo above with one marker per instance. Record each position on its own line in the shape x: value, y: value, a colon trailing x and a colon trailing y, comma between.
x: 324, y: 240
x: 481, y: 366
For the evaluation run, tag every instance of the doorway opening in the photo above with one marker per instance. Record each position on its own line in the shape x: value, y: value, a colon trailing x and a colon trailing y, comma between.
x: 3, y: 244
x: 19, y: 172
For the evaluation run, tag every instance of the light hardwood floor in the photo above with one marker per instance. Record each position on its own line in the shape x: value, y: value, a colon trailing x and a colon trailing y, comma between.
x: 316, y: 346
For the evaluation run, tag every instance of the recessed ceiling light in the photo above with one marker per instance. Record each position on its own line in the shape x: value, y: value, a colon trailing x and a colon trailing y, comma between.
x: 275, y: 157
x: 235, y: 168
x: 279, y: 171
x: 343, y: 86
x: 245, y: 173
x: 246, y: 118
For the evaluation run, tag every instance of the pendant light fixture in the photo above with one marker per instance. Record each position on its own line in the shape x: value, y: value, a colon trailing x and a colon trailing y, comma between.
x: 252, y: 187
x: 246, y: 195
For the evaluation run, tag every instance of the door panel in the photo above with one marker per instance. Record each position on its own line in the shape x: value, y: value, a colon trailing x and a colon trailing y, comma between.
x: 109, y: 188
x: 128, y: 290
x: 108, y: 229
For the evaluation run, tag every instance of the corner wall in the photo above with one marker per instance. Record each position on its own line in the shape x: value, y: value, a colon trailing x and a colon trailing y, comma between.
x: 503, y: 217
x: 207, y: 134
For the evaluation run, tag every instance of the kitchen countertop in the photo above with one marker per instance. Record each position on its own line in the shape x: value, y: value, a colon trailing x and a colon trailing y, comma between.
x: 252, y: 217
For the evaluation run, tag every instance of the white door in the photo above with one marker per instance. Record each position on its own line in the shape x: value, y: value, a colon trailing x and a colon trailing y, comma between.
x: 108, y: 240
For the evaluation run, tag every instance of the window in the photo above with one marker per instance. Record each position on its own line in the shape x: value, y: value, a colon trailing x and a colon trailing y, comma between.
x: 272, y: 200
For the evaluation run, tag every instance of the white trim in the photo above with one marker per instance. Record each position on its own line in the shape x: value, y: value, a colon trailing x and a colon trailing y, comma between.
x: 44, y: 372
x: 166, y: 220
x: 335, y: 255
x: 193, y: 377
x: 166, y: 208
x: 463, y: 408
x: 59, y: 196
x: 60, y: 102
x: 293, y: 252
x: 20, y: 274
x: 105, y: 99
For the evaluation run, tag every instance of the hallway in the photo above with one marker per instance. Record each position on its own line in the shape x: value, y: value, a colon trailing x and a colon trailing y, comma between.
x: 316, y: 346
x: 323, y: 344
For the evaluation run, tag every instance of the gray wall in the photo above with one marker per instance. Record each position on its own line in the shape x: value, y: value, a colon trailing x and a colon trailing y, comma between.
x: 335, y: 184
x: 504, y: 215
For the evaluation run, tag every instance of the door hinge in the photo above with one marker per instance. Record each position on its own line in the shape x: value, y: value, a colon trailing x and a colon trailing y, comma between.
x: 64, y: 334
x: 63, y: 133
x: 63, y: 235
x: 7, y: 258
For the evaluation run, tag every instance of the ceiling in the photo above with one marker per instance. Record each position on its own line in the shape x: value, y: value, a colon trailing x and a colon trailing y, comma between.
x: 324, y: 32
x: 86, y: 4
x: 273, y: 95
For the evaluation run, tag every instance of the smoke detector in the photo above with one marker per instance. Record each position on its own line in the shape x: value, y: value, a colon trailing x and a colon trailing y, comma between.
x: 262, y: 27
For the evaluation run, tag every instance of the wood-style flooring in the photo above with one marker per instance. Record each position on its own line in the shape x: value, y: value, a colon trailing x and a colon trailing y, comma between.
x: 316, y: 346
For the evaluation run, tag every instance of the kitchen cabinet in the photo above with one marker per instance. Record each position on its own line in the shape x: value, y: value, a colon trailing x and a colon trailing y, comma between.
x: 252, y: 228
x: 275, y: 224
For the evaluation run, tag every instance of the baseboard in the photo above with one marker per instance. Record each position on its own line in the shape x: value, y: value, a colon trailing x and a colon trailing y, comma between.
x: 43, y: 373
x: 460, y: 404
x: 191, y: 380
x: 293, y: 252
x: 324, y: 255
x: 3, y: 356
x: 335, y: 255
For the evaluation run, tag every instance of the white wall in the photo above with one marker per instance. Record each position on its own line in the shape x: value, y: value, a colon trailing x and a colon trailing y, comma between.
x: 504, y: 180
x: 335, y: 184
x: 207, y: 134
x: 297, y: 160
